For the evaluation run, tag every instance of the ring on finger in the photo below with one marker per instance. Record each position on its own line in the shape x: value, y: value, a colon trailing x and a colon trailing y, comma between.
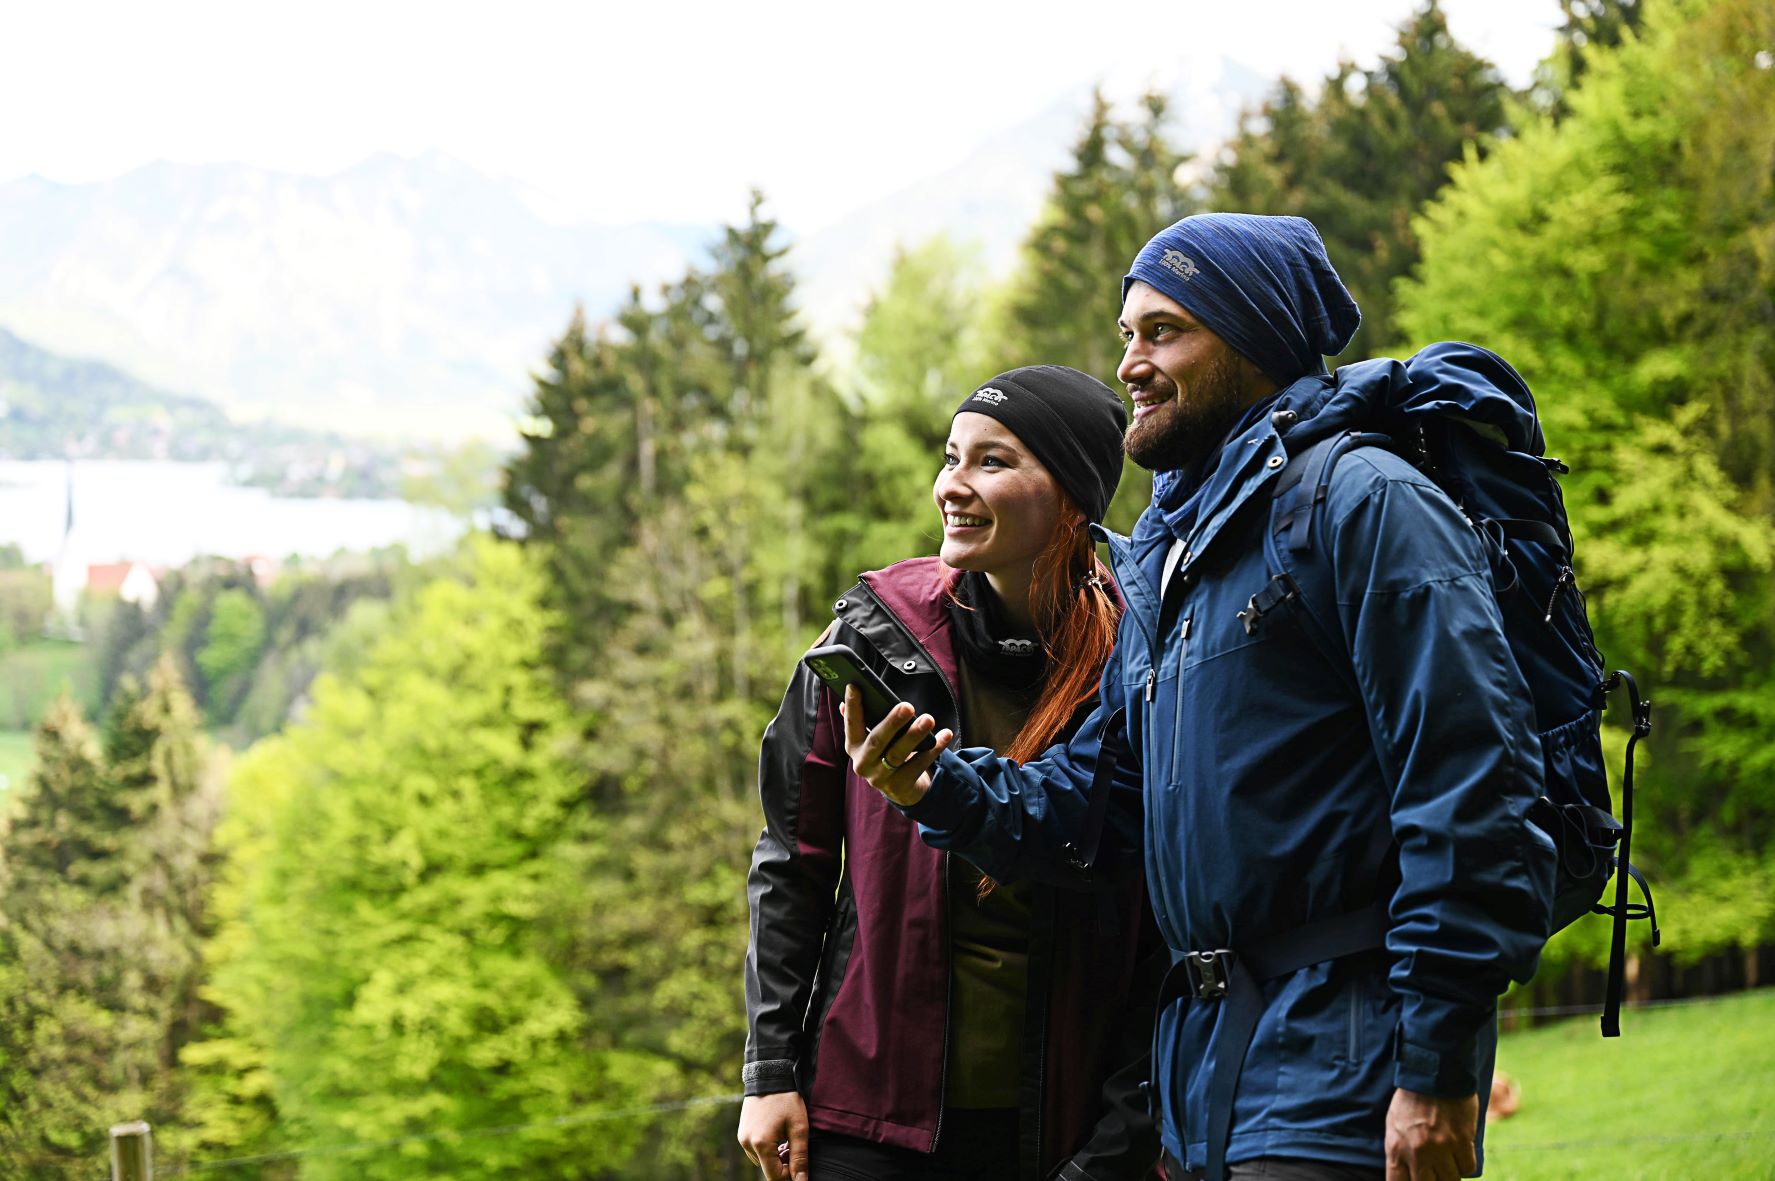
x: 889, y: 765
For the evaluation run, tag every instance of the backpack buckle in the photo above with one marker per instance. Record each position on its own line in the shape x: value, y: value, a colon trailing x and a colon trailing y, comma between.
x: 1277, y: 591
x: 1642, y: 709
x: 1208, y: 972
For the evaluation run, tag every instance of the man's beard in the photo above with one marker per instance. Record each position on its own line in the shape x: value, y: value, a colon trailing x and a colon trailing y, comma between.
x: 1193, y: 424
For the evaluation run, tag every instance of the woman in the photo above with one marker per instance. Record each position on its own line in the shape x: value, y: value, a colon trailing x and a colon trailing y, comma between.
x: 922, y: 1022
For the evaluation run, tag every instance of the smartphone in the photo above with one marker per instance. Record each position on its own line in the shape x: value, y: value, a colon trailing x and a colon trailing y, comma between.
x: 838, y: 666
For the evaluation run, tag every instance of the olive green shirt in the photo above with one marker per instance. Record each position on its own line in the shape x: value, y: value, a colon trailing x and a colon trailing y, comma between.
x: 988, y: 937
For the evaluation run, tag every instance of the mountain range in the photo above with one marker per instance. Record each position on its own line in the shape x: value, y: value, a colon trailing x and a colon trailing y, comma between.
x: 412, y: 297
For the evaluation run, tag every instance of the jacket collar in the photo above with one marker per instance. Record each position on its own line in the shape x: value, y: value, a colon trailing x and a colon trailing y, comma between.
x: 903, y: 616
x: 1248, y: 462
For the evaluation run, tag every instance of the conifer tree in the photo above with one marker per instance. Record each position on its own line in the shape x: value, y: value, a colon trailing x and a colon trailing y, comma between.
x: 65, y: 1029
x: 575, y: 485
x: 106, y: 861
x: 1118, y: 190
x: 734, y: 522
x: 1587, y: 28
x: 1064, y: 298
x: 1362, y: 156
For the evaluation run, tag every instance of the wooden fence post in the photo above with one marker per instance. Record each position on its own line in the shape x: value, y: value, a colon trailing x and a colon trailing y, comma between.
x: 132, y: 1152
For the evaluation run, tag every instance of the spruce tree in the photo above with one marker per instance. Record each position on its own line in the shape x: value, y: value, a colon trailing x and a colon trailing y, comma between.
x: 1118, y: 190
x: 1064, y: 298
x: 1362, y: 156
x: 106, y: 863
x: 575, y: 485
x: 59, y: 1028
x: 1587, y: 28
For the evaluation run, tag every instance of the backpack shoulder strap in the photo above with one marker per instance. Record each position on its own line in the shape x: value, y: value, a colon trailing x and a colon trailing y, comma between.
x: 1299, y: 492
x: 1306, y: 482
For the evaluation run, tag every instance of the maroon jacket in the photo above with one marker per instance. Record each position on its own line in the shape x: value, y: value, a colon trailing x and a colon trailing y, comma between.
x: 847, y: 971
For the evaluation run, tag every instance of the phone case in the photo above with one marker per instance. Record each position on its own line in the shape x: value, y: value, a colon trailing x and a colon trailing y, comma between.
x: 838, y: 666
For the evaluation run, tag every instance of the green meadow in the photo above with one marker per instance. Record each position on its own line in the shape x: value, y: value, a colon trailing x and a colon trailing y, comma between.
x: 1688, y: 1090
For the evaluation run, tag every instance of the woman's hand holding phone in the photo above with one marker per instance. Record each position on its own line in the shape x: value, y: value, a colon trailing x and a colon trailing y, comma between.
x: 887, y: 758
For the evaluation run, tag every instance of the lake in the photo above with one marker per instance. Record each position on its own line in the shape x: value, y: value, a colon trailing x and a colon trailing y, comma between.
x: 165, y: 514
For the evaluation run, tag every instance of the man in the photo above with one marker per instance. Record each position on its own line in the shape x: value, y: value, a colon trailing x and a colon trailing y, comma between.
x: 1332, y: 769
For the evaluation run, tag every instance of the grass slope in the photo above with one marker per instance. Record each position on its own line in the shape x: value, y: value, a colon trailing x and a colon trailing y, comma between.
x: 37, y: 673
x: 15, y: 758
x: 1686, y: 1091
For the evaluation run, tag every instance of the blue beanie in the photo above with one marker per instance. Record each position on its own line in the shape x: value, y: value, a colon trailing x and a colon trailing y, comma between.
x: 1262, y: 284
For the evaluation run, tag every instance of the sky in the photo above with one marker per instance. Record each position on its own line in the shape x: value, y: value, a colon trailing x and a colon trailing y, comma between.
x: 615, y: 113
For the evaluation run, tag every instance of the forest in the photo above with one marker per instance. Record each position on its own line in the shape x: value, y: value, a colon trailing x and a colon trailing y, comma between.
x: 466, y: 898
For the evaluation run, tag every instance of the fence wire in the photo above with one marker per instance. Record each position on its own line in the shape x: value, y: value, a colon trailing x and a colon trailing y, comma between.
x: 1595, y: 1010
x: 600, y: 1115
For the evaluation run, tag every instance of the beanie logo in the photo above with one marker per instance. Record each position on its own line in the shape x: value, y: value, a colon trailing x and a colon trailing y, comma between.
x: 1180, y: 264
x: 989, y: 395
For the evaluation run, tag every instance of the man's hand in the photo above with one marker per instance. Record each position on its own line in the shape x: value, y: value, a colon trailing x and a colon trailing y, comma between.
x: 886, y: 762
x: 768, y: 1122
x: 1431, y: 1139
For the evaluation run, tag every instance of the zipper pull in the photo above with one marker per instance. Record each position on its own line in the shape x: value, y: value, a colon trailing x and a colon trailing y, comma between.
x: 1152, y: 684
x: 1564, y: 580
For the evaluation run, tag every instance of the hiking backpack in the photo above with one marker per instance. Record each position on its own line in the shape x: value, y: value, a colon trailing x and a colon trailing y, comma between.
x: 1465, y: 418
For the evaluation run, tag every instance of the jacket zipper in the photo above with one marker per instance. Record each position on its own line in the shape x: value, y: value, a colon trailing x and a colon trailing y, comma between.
x: 943, y: 884
x: 1177, y: 717
x: 948, y: 996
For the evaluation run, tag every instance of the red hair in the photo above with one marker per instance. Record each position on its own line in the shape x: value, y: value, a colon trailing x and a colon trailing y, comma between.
x: 1076, y: 614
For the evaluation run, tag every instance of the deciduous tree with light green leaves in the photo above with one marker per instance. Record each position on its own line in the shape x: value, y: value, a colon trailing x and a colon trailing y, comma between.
x: 919, y: 352
x: 401, y: 860
x: 1622, y: 258
x: 232, y: 644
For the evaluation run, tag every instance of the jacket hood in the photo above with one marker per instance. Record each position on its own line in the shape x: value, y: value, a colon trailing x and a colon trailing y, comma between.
x: 1450, y: 378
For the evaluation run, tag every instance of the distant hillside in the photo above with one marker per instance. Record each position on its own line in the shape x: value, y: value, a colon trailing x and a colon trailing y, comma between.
x: 403, y: 296
x: 54, y: 407
x: 411, y: 298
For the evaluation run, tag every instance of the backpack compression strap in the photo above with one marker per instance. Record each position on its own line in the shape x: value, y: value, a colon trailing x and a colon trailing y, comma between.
x: 1621, y: 911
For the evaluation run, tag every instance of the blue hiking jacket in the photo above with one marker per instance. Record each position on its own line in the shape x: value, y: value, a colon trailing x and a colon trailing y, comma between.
x: 1370, y: 741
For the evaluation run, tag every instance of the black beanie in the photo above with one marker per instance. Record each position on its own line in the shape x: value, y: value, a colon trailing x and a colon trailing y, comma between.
x: 1070, y: 421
